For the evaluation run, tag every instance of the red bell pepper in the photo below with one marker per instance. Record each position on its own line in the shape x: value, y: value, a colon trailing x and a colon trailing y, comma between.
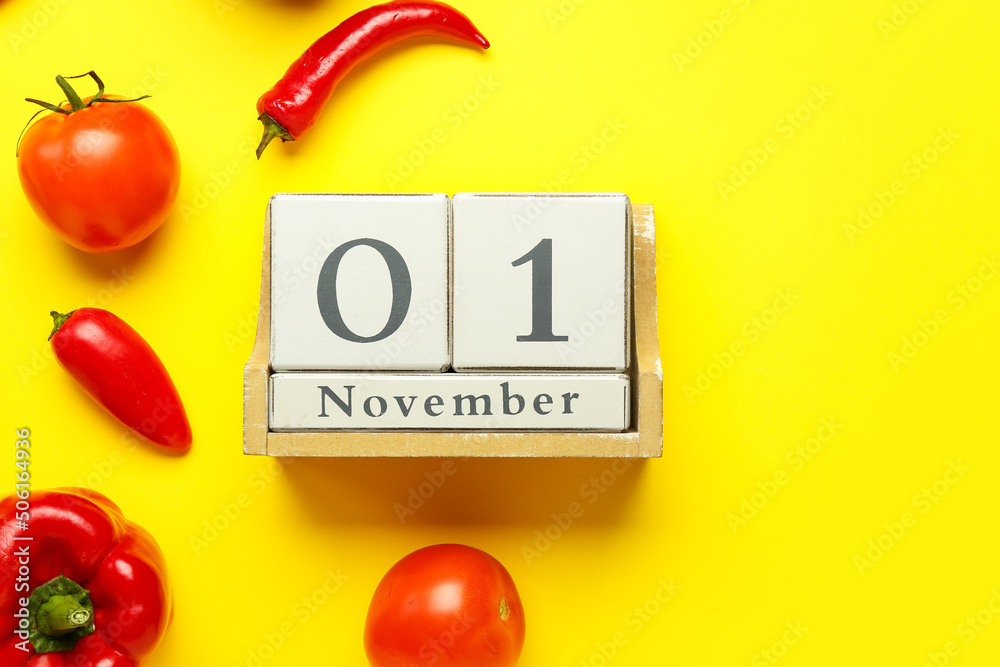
x: 79, y: 584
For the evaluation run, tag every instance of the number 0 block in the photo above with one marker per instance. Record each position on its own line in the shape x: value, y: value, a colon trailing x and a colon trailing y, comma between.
x: 540, y: 282
x: 359, y: 282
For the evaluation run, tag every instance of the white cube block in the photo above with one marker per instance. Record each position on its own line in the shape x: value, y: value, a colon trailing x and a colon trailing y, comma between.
x: 359, y: 282
x: 540, y: 281
x: 449, y: 401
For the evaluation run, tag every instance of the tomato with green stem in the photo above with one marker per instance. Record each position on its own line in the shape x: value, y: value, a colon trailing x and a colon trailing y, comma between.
x: 102, y: 172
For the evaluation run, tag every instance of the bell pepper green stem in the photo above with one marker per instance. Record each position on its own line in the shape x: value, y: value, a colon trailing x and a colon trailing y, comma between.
x: 61, y: 615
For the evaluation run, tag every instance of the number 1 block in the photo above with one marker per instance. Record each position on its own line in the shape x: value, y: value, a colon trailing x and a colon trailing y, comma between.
x: 540, y: 282
x: 359, y: 282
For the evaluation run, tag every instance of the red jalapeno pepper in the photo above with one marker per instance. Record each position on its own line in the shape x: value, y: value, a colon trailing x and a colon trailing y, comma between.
x: 118, y: 369
x: 290, y: 107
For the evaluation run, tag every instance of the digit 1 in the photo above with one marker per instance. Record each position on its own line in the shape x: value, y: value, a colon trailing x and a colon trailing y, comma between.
x: 541, y: 293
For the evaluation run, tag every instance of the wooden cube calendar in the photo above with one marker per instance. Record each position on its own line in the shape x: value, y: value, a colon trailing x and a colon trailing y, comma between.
x: 476, y: 325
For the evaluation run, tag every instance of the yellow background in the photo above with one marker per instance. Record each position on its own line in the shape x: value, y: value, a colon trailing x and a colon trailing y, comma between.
x: 560, y: 73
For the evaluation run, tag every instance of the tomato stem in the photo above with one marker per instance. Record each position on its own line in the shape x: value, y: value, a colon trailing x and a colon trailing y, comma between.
x: 75, y: 101
x: 59, y: 319
x: 71, y: 95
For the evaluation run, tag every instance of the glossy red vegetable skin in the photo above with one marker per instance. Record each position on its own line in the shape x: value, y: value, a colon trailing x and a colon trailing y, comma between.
x: 103, y: 173
x: 82, y: 535
x: 290, y: 107
x: 116, y: 367
x: 448, y: 605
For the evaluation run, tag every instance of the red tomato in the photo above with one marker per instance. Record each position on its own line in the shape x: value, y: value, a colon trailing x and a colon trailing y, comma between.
x: 103, y: 177
x: 448, y: 605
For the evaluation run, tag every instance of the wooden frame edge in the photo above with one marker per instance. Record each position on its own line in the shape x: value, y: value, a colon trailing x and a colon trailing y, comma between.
x: 256, y: 371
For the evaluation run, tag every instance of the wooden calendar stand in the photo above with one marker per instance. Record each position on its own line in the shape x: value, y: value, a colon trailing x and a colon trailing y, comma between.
x: 643, y: 439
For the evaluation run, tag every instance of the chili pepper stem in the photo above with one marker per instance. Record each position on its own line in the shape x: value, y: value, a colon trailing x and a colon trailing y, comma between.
x: 272, y: 129
x: 59, y: 319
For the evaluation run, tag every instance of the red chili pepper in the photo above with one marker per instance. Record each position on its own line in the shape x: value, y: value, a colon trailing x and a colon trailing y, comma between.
x: 291, y: 106
x: 79, y: 584
x: 118, y: 369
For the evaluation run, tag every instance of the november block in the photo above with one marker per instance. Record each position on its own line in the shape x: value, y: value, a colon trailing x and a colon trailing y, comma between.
x: 450, y: 401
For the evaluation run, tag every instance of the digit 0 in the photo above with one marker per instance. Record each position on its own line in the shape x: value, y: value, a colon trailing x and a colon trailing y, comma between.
x: 326, y: 290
